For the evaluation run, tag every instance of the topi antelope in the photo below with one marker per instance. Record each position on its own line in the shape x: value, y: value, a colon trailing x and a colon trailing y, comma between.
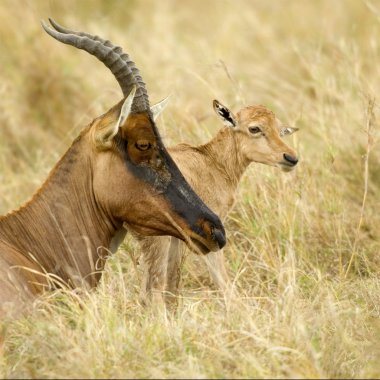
x: 214, y: 171
x: 117, y: 171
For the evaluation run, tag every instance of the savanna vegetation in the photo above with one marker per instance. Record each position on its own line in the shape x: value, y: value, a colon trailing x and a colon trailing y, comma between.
x: 303, y: 248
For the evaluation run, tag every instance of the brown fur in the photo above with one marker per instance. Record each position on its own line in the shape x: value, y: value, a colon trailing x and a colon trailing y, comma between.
x: 66, y: 231
x: 214, y: 171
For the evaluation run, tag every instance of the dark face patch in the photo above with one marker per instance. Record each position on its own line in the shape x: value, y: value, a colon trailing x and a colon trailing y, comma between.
x: 143, y: 151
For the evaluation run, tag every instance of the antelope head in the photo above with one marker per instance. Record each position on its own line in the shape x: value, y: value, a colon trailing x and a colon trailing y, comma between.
x: 134, y: 180
x: 259, y: 135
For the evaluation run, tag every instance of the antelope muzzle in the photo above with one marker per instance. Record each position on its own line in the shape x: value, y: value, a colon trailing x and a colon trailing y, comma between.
x: 207, y: 235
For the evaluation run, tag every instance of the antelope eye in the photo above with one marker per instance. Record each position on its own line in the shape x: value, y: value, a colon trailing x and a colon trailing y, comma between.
x: 254, y: 130
x: 143, y: 145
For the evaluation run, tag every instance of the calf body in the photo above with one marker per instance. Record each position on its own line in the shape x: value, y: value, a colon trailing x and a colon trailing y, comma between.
x: 214, y: 171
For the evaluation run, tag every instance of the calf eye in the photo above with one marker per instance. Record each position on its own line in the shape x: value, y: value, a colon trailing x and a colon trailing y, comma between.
x: 254, y: 130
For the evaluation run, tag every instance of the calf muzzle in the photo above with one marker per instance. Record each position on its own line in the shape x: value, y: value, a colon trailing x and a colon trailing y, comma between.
x: 290, y: 160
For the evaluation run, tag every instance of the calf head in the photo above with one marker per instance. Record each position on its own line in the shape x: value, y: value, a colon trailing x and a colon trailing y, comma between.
x: 259, y: 135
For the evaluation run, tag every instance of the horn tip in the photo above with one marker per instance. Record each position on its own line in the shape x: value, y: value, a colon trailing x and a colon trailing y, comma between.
x: 48, y: 29
x: 44, y: 25
x: 54, y: 24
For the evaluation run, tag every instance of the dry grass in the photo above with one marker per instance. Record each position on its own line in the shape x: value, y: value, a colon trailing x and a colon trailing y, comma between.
x: 303, y: 248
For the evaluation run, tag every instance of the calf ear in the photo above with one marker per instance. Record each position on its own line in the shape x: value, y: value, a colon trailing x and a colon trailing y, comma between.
x: 225, y: 114
x: 285, y: 131
x: 108, y: 126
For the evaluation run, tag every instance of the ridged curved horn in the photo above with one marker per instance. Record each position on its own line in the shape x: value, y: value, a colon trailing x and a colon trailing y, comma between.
x: 112, y: 56
x: 125, y: 57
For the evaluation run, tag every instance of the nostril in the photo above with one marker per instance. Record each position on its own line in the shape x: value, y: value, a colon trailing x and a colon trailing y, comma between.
x: 219, y: 236
x: 291, y: 159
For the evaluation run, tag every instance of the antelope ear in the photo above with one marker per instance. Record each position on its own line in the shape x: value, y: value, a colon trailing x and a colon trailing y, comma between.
x: 285, y: 131
x: 157, y: 108
x: 125, y: 109
x: 225, y: 114
x: 108, y: 126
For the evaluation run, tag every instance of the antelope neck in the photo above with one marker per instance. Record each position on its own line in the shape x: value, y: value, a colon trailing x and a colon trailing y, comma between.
x: 62, y: 227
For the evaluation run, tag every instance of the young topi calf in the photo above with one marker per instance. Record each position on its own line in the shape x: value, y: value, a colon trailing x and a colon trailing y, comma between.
x: 116, y: 171
x: 214, y: 170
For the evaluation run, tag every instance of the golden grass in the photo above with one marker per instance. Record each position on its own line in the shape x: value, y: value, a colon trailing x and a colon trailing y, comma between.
x: 303, y: 248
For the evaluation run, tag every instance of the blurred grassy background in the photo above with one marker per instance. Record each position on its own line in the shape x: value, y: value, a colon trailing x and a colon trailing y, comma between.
x: 302, y: 248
